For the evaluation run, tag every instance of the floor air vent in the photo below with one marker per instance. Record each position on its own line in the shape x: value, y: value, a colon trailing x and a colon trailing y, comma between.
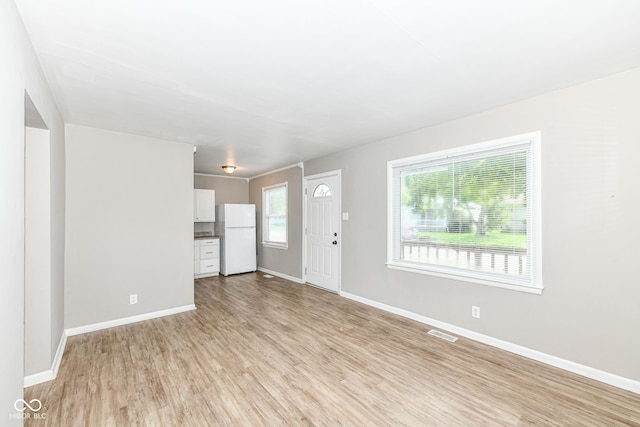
x: 442, y: 335
x: 268, y: 276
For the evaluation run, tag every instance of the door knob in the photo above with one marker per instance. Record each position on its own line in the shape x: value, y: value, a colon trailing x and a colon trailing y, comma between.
x: 335, y: 242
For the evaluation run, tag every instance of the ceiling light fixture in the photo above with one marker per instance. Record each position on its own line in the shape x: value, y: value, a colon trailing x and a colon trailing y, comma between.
x: 228, y: 169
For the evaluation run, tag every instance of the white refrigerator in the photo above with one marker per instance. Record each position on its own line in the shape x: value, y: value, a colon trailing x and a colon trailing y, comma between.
x: 236, y: 227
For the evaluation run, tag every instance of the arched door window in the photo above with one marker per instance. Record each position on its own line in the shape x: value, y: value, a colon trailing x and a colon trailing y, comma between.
x: 322, y: 190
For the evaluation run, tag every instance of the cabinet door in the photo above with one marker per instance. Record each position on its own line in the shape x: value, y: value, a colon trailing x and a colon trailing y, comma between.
x: 204, y: 203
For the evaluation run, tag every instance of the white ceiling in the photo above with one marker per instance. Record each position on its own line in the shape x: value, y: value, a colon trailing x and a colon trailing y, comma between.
x: 264, y: 84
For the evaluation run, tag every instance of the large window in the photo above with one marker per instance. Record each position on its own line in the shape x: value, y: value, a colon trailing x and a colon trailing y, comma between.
x: 274, y: 206
x: 471, y: 213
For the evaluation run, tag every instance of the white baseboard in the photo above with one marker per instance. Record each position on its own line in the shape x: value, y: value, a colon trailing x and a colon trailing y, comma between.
x: 127, y: 320
x: 58, y: 357
x: 40, y: 377
x: 52, y: 373
x: 281, y: 275
x: 202, y: 276
x: 567, y: 365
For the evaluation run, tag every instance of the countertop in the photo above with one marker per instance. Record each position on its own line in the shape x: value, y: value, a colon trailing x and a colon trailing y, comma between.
x: 204, y: 235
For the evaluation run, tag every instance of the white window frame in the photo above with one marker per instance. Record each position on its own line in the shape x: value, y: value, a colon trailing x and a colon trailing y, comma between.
x: 535, y: 285
x: 266, y: 215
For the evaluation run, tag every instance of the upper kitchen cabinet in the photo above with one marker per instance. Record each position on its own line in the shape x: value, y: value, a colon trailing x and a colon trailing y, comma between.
x: 204, y: 204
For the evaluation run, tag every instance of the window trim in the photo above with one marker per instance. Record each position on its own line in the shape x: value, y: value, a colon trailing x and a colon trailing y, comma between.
x: 265, y: 217
x: 535, y: 286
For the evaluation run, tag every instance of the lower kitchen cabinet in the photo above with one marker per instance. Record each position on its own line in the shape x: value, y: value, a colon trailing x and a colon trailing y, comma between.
x: 206, y: 257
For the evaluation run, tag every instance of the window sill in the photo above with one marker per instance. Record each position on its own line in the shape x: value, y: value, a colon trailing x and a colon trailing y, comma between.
x: 537, y: 290
x: 275, y: 245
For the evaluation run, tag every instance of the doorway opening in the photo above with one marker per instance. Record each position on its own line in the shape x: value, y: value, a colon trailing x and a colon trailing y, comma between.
x: 37, y: 242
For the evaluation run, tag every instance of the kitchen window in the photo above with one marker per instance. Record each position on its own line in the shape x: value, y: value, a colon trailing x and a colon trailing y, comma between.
x: 471, y: 213
x: 274, y: 206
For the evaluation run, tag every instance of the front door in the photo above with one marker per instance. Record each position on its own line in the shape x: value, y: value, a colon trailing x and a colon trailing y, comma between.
x: 323, y: 230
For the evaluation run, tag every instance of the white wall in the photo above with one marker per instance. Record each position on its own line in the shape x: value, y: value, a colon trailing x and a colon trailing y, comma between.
x: 20, y: 72
x: 588, y: 312
x: 228, y: 189
x: 129, y: 225
x: 37, y: 335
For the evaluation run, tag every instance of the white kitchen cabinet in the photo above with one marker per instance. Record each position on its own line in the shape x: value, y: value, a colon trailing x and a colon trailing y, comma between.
x: 208, y: 252
x: 196, y: 257
x: 209, y: 267
x: 204, y: 205
x: 206, y: 256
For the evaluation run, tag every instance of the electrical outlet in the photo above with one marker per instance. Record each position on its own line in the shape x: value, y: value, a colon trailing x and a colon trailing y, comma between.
x: 475, y: 311
x: 133, y: 299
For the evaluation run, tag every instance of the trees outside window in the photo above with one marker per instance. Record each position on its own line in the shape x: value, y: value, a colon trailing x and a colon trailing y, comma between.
x: 474, y: 210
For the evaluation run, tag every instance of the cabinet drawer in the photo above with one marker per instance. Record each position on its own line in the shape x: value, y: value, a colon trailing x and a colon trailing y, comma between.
x: 208, y: 252
x: 209, y: 266
x: 209, y: 242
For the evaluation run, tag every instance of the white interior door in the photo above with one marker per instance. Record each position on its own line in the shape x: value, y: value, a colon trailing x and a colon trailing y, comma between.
x: 323, y: 231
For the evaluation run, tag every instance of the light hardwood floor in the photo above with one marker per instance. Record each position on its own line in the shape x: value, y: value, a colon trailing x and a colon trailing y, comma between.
x: 270, y: 352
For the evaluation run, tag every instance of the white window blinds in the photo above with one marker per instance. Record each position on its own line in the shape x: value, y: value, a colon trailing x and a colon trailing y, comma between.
x: 466, y: 212
x: 274, y: 204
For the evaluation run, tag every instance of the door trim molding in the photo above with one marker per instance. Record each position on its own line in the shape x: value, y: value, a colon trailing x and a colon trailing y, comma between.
x: 338, y: 173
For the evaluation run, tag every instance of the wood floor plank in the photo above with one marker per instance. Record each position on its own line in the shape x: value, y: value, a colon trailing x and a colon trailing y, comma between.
x: 261, y: 351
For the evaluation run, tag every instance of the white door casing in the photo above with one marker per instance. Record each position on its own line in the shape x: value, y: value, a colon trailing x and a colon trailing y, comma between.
x: 323, y: 230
